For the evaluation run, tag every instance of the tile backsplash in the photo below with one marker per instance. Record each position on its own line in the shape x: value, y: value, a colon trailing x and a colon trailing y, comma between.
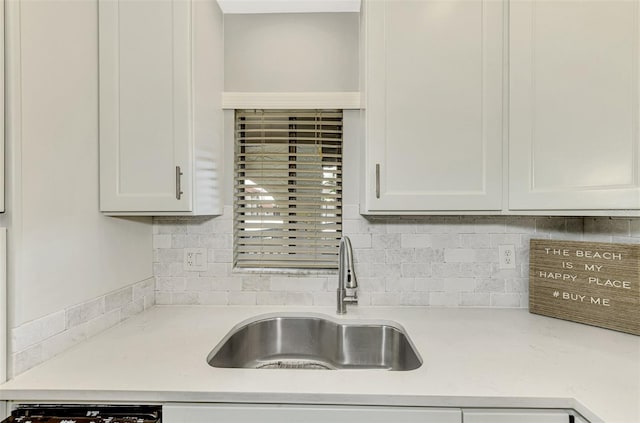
x: 414, y: 260
x: 38, y: 340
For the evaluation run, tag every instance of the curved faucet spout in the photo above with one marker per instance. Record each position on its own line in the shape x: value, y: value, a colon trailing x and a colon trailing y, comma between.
x: 347, y: 280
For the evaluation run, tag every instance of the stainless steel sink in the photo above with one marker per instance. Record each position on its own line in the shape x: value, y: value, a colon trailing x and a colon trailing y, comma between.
x: 315, y: 342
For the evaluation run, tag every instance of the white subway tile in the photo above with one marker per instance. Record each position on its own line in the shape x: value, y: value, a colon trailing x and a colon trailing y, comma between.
x: 370, y: 284
x: 217, y: 269
x: 198, y: 225
x: 185, y: 298
x: 351, y: 211
x: 445, y: 269
x: 398, y: 284
x: 162, y: 269
x: 63, y: 341
x: 511, y: 300
x: 242, y: 298
x: 459, y: 255
x: 326, y: 298
x: 399, y: 256
x: 459, y: 284
x: 38, y: 330
x: 429, y: 284
x: 217, y: 241
x: 448, y: 240
x: 505, y: 239
x: 170, y: 255
x: 551, y: 224
x: 402, y: 227
x: 519, y: 285
x: 271, y: 298
x: 118, y: 298
x: 132, y: 308
x: 199, y: 284
x: 428, y: 255
x: 606, y: 225
x: 360, y: 241
x: 490, y: 225
x: 431, y: 224
x: 228, y: 283
x: 474, y: 299
x: 475, y: 270
x: 255, y: 283
x: 208, y: 298
x: 178, y: 241
x: 415, y: 240
x: 170, y: 225
x: 26, y: 359
x: 162, y: 241
x: 299, y: 298
x: 490, y: 285
x: 521, y: 225
x: 415, y: 270
x: 386, y: 241
x: 144, y: 289
x: 84, y: 312
x: 369, y: 256
x: 298, y: 284
x: 103, y: 322
x: 171, y: 284
x: 163, y: 298
x: 385, y: 298
x: 475, y: 240
x: 414, y: 299
x: 487, y: 255
x: 444, y: 299
x: 497, y: 273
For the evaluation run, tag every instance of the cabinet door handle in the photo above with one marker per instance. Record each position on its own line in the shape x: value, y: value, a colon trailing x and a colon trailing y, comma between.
x: 178, y: 183
x: 377, y: 180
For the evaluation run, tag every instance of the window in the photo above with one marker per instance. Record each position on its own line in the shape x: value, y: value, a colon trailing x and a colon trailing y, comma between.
x: 288, y: 188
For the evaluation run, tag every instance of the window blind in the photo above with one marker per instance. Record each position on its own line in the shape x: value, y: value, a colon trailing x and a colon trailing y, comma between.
x: 288, y: 188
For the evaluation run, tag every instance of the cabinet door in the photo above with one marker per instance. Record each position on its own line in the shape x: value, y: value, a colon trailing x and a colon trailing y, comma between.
x: 433, y: 105
x: 515, y: 416
x: 145, y: 105
x: 2, y: 114
x: 250, y: 413
x: 574, y: 93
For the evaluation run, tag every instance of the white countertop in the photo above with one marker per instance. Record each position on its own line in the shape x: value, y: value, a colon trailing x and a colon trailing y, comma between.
x: 472, y: 358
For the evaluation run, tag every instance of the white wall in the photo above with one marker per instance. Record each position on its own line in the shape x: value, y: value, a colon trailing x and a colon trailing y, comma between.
x: 291, y: 52
x: 62, y: 251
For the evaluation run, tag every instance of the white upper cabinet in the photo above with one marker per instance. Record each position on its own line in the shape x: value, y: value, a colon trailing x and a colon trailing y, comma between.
x: 433, y: 76
x: 161, y: 78
x: 574, y: 95
x: 2, y: 114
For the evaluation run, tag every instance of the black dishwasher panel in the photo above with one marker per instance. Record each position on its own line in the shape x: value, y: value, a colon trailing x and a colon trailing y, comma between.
x: 85, y: 414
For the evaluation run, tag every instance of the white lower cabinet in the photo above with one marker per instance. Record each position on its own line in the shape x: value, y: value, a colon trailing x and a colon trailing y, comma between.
x: 515, y: 416
x: 249, y: 413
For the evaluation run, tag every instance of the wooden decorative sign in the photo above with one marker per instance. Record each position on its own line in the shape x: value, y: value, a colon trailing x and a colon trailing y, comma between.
x: 595, y: 283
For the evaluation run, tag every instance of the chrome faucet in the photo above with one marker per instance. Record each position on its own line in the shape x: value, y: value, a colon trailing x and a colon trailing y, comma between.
x: 347, y: 282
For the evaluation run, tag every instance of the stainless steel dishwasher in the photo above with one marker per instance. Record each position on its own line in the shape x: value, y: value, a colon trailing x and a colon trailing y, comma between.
x: 85, y: 414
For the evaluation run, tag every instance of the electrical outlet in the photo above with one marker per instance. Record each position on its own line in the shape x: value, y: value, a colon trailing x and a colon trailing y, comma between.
x: 195, y: 259
x: 507, y: 256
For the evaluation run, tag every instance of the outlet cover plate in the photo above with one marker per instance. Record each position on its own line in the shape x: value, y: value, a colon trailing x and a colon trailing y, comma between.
x: 195, y: 259
x: 507, y: 256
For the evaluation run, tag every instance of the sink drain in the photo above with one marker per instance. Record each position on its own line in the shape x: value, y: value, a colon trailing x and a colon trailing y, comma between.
x: 294, y: 364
